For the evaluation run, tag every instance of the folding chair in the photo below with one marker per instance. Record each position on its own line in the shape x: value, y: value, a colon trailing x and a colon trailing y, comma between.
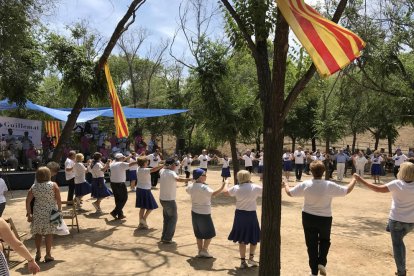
x: 19, y: 235
x: 71, y: 213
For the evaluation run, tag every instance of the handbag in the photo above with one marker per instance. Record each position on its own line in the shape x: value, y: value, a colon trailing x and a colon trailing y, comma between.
x: 62, y: 229
x: 55, y: 217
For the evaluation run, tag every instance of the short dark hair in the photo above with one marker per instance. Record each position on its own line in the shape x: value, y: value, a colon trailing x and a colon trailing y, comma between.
x: 317, y: 168
x: 141, y: 161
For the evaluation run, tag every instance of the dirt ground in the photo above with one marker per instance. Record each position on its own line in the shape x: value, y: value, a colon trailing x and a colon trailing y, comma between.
x: 360, y: 244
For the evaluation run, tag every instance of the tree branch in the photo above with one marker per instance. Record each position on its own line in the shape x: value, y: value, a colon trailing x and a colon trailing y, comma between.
x: 242, y: 27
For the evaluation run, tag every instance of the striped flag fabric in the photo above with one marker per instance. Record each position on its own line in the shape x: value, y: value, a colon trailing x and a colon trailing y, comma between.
x: 53, y: 128
x: 121, y: 126
x: 330, y: 46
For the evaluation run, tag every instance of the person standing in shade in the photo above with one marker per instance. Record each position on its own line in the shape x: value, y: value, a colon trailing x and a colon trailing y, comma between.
x: 168, y: 190
x: 204, y: 158
x: 401, y: 217
x: 70, y: 174
x: 376, y: 161
x: 317, y: 213
x: 186, y: 164
x: 118, y: 169
x: 225, y: 170
x: 154, y: 159
x: 246, y: 229
x: 248, y: 161
x: 359, y: 162
x: 203, y: 226
x: 144, y: 200
x: 398, y: 159
x: 299, y: 156
x: 99, y: 189
x: 341, y: 159
x: 287, y: 163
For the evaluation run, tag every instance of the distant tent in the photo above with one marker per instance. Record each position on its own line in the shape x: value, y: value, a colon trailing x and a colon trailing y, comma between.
x: 88, y: 114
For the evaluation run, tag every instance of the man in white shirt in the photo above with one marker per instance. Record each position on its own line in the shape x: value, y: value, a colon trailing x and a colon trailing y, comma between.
x: 154, y: 159
x: 204, y: 159
x: 70, y: 174
x: 248, y: 161
x: 359, y: 162
x: 118, y: 169
x: 168, y: 189
x: 398, y: 158
x: 299, y: 156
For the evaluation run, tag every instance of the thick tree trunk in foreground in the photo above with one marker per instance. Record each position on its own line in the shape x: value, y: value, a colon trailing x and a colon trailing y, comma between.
x: 84, y: 95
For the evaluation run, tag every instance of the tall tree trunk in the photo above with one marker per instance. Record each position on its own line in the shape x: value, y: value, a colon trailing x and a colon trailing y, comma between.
x: 293, y: 143
x: 377, y: 138
x: 354, y: 138
x: 389, y: 144
x: 258, y: 140
x: 234, y: 158
x: 273, y: 121
x: 313, y: 140
x: 122, y: 26
x: 327, y: 161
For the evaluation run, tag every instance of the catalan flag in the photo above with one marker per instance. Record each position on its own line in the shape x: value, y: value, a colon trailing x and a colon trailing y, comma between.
x: 121, y: 127
x: 330, y: 46
x: 53, y: 129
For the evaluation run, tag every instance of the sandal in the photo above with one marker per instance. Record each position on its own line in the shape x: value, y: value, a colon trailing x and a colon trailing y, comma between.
x: 49, y: 259
x: 38, y: 256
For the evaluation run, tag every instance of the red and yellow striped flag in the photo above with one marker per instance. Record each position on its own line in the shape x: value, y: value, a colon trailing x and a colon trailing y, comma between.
x: 53, y: 128
x: 121, y: 127
x: 330, y: 46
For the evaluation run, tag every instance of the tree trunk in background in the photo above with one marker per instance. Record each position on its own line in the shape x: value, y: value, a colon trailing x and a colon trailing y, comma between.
x: 313, y: 144
x: 389, y: 145
x: 354, y: 138
x: 293, y: 143
x: 234, y: 158
x: 84, y: 95
x: 326, y: 161
x: 377, y: 138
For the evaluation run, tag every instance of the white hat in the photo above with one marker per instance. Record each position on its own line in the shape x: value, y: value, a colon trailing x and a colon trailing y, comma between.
x: 119, y: 155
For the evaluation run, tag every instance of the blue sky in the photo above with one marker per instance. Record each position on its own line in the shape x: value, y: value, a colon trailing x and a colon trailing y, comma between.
x: 159, y: 17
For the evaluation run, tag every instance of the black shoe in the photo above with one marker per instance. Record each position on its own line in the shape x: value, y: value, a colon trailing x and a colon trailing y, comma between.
x: 113, y: 214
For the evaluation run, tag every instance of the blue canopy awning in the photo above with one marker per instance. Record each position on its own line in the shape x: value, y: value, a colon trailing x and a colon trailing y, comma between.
x: 88, y: 114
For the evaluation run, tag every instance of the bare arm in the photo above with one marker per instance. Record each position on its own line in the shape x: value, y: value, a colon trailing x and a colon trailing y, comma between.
x: 182, y: 179
x: 8, y: 236
x: 351, y: 185
x: 155, y: 169
x: 29, y: 199
x: 219, y: 190
x: 287, y: 188
x: 375, y: 188
x: 57, y: 196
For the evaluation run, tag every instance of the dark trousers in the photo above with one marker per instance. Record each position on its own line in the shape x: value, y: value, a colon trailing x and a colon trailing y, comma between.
x: 249, y: 168
x: 318, y: 239
x: 121, y: 197
x: 187, y: 174
x: 396, y: 170
x: 298, y: 171
x: 154, y: 178
x: 170, y: 215
x: 2, y: 207
x: 71, y: 188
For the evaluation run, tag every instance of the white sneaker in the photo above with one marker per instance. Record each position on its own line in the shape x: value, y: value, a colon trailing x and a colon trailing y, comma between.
x: 322, y: 269
x: 252, y: 263
x: 204, y: 254
x: 243, y: 265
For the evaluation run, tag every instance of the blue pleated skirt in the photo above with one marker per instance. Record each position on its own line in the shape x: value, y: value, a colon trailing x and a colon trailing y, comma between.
x: 376, y: 169
x: 225, y: 172
x: 82, y: 189
x: 246, y: 228
x: 287, y: 166
x: 203, y: 226
x: 132, y: 175
x: 99, y: 189
x: 145, y: 200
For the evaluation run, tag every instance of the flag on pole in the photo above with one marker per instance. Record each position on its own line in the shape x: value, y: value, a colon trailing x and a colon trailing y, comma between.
x: 53, y: 129
x: 330, y: 46
x: 121, y: 127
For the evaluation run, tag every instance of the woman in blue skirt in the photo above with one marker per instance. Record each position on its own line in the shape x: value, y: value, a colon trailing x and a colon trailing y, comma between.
x: 246, y: 228
x: 99, y: 189
x: 287, y: 163
x: 225, y: 170
x: 81, y: 186
x: 376, y: 160
x: 145, y: 200
x: 203, y: 225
